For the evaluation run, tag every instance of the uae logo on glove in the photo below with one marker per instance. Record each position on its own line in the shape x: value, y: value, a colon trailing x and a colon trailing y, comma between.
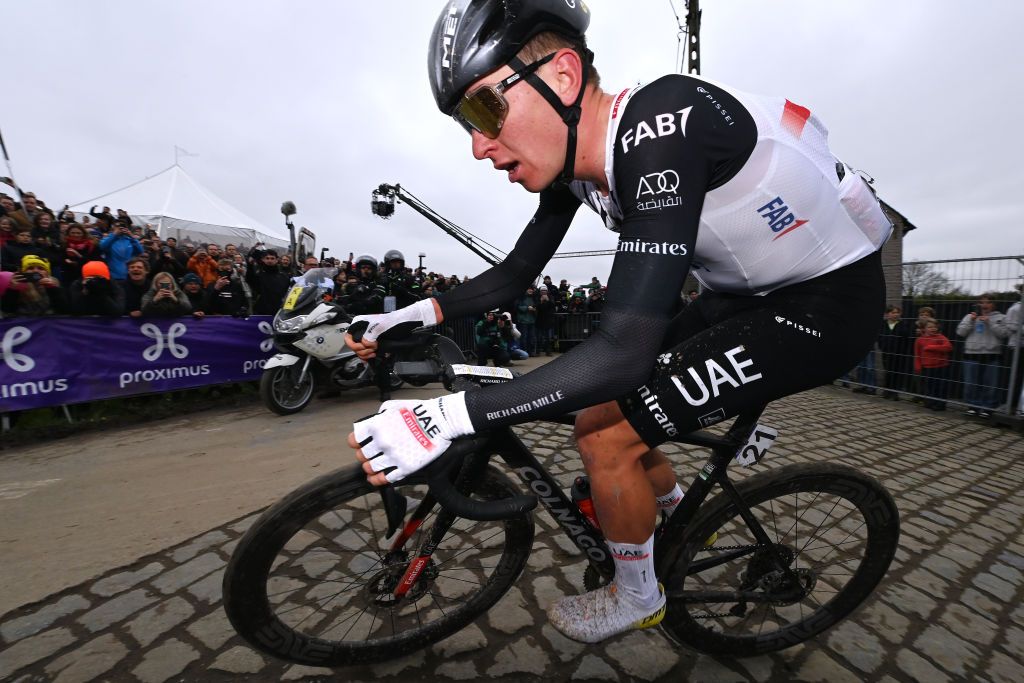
x: 417, y: 431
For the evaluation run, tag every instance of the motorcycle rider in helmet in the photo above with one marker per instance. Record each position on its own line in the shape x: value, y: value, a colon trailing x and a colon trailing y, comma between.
x: 364, y: 295
x: 785, y: 234
x: 398, y: 282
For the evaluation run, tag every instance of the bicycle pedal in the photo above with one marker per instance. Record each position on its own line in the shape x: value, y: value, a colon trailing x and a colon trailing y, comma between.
x: 712, y: 539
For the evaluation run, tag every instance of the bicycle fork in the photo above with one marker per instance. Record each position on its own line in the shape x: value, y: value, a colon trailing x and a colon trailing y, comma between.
x: 468, y: 476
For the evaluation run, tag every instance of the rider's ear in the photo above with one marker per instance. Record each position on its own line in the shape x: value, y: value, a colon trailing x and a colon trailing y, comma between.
x: 568, y: 68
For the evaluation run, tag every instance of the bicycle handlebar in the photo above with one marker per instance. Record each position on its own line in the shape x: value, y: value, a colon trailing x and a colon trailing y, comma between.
x: 438, y: 474
x: 401, y: 336
x: 438, y: 477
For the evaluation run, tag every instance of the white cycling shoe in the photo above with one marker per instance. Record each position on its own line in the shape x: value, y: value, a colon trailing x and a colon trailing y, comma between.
x: 603, y: 613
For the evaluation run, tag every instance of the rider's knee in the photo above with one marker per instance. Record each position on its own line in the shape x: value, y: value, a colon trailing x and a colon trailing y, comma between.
x: 605, y: 439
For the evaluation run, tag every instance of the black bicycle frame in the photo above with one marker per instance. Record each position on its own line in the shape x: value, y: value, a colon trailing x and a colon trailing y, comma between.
x: 506, y: 445
x: 549, y: 492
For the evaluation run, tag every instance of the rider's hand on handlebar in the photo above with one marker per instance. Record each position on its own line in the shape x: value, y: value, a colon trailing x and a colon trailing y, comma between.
x: 363, y: 348
x: 408, y: 435
x: 423, y: 313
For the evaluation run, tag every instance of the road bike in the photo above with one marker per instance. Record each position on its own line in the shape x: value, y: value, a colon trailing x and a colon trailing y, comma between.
x: 342, y: 573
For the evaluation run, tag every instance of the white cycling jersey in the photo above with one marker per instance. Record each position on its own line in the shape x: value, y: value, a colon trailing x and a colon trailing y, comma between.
x: 783, y: 217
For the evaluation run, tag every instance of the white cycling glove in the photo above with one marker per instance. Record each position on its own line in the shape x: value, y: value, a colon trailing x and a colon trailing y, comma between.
x: 421, y: 312
x: 408, y: 435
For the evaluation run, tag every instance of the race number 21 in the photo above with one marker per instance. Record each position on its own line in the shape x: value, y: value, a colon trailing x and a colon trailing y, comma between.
x: 760, y: 440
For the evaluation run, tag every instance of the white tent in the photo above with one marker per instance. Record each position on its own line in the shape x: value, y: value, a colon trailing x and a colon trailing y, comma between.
x: 178, y: 206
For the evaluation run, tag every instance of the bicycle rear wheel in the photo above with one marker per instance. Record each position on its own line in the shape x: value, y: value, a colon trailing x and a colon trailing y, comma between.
x: 836, y: 529
x: 312, y: 580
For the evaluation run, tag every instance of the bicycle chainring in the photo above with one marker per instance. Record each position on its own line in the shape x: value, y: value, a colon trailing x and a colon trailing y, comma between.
x: 592, y: 580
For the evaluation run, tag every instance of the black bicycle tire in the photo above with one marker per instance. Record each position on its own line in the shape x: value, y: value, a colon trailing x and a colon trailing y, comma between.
x: 245, y: 578
x: 872, y: 499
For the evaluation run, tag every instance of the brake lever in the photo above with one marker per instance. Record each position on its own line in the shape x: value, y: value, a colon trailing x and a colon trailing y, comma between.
x: 402, y: 336
x: 439, y: 474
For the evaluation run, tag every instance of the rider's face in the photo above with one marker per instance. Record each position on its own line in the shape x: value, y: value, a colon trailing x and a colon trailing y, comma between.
x: 531, y: 145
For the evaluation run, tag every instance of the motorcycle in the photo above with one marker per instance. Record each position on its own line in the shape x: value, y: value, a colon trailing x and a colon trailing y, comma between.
x: 309, y: 331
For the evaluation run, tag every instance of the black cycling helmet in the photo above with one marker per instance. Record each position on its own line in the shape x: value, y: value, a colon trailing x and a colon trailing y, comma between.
x: 392, y: 255
x: 366, y: 259
x: 472, y: 38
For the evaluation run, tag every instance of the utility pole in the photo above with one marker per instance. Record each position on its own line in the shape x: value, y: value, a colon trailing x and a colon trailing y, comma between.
x: 693, y: 37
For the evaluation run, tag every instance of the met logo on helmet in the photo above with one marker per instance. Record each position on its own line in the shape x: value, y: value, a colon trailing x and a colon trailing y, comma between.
x: 664, y: 124
x: 451, y: 24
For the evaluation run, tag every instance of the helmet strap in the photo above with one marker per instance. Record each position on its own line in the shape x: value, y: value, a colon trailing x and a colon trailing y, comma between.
x: 570, y: 114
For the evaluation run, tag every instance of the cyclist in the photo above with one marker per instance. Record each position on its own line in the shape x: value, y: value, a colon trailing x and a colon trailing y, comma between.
x: 691, y: 174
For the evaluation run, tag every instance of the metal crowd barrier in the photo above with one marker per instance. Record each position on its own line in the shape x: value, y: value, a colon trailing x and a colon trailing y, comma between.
x: 570, y: 329
x: 952, y: 289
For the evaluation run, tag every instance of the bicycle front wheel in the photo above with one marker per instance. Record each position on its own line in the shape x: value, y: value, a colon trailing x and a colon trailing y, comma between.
x: 835, y: 529
x: 313, y: 580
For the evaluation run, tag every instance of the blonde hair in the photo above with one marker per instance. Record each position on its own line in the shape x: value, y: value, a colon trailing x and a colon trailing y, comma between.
x: 543, y: 44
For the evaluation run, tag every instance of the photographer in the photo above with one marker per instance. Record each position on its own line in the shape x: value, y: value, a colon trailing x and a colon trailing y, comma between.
x: 162, y: 260
x: 118, y: 248
x: 491, y: 344
x: 95, y: 294
x: 33, y: 291
x: 526, y: 317
x: 164, y: 299
x: 984, y: 330
x: 226, y: 296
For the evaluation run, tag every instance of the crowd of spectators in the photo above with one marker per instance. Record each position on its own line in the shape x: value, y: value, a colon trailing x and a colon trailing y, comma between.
x: 973, y: 359
x: 101, y: 263
x: 104, y: 263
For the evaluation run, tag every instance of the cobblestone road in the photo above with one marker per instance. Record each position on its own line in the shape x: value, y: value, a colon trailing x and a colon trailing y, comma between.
x: 950, y: 608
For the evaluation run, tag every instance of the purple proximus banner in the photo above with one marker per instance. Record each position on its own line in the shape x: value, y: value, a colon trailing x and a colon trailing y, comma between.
x: 54, y: 361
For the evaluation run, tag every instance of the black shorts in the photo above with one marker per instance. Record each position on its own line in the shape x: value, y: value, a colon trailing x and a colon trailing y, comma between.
x: 725, y: 353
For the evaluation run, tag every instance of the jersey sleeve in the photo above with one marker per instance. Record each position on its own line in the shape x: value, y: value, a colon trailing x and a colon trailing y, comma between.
x: 510, y: 278
x: 669, y: 150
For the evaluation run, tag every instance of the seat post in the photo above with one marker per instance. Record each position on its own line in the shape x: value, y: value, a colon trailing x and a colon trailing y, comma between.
x: 745, y: 423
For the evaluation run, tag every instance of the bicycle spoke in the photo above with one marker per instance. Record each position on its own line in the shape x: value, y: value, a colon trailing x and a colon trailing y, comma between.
x: 821, y: 533
x: 843, y: 541
x: 332, y: 576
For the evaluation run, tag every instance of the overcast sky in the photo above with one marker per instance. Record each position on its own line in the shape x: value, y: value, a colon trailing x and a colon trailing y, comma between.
x: 320, y: 102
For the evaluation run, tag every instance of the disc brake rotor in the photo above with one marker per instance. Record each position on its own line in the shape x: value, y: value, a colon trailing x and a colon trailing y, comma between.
x: 380, y: 589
